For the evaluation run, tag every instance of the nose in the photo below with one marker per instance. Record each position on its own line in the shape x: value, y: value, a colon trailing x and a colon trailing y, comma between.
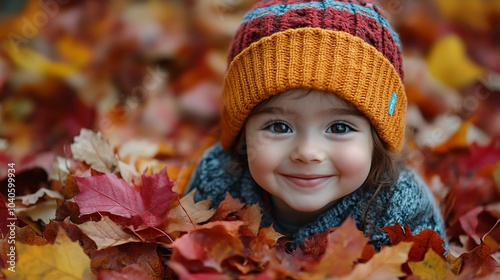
x: 308, y: 149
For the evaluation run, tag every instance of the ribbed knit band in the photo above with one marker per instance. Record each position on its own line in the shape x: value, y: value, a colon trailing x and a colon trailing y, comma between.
x: 320, y: 59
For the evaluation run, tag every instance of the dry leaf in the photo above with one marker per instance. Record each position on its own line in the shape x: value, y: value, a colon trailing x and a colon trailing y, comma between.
x: 448, y: 62
x: 432, y: 267
x: 185, y: 214
x: 62, y: 260
x: 107, y: 233
x: 384, y: 265
x: 91, y: 148
x: 30, y: 199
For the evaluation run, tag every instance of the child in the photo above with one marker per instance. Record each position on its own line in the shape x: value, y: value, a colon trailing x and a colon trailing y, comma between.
x: 312, y: 121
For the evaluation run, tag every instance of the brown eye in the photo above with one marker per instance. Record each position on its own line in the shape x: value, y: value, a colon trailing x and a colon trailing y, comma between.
x: 279, y: 127
x: 339, y: 128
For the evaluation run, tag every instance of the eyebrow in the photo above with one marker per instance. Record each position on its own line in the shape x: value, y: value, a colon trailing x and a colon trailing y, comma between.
x: 329, y: 111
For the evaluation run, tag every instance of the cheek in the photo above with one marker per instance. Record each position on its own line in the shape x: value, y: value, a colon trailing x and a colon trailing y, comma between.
x: 263, y: 154
x: 355, y: 160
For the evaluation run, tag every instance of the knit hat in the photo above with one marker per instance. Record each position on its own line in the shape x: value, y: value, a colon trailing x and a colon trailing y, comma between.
x: 345, y: 47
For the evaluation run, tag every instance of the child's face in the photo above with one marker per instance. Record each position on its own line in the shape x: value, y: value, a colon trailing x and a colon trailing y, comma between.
x: 308, y: 149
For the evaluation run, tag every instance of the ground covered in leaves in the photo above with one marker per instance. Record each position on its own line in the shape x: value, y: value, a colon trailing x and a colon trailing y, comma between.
x: 106, y: 106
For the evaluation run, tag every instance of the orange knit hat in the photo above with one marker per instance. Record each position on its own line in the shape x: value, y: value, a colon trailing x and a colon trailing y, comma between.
x: 345, y: 47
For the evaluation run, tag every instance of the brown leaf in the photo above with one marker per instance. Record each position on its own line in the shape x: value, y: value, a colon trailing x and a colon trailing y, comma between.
x: 130, y: 272
x: 116, y: 258
x: 479, y: 261
x: 226, y: 207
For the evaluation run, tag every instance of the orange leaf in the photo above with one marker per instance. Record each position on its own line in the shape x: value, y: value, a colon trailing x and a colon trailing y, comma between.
x: 251, y: 216
x: 384, y: 265
x: 211, y: 244
x: 422, y: 242
x: 345, y: 245
x: 226, y: 207
x: 185, y: 214
x: 267, y: 237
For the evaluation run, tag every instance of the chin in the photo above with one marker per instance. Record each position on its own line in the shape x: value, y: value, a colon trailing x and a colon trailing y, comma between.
x: 307, y: 208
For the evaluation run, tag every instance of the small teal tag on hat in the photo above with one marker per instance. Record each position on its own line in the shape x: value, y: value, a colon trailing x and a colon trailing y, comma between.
x: 392, y: 103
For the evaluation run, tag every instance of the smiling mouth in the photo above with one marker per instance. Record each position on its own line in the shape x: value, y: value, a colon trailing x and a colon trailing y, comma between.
x: 307, y: 181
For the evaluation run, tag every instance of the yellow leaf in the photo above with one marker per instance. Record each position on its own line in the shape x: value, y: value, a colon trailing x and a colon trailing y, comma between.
x: 33, y: 61
x: 432, y: 267
x: 62, y: 260
x: 383, y: 265
x: 448, y: 62
x: 73, y: 51
x: 475, y: 13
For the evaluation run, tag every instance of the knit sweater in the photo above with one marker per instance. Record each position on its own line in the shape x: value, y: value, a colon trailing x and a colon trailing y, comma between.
x: 408, y: 201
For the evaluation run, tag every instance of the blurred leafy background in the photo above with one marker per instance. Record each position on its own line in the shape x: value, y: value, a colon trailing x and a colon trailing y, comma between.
x: 148, y: 74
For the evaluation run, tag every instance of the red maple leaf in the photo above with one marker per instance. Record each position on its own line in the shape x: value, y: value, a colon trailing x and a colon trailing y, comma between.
x: 108, y: 193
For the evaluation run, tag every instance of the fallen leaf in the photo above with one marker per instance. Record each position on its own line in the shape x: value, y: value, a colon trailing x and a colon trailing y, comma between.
x: 129, y: 173
x: 384, y: 265
x: 185, y: 214
x: 479, y: 261
x: 44, y: 211
x: 134, y: 149
x: 469, y: 222
x: 157, y: 195
x: 266, y: 238
x: 479, y: 156
x: 108, y: 193
x: 91, y: 148
x: 448, y: 61
x: 107, y: 233
x: 6, y: 214
x: 62, y: 260
x: 130, y: 272
x: 432, y: 267
x: 211, y: 244
x: 422, y: 242
x: 252, y: 216
x: 118, y: 257
x: 345, y: 246
x: 31, y: 199
x: 226, y: 207
x: 184, y: 273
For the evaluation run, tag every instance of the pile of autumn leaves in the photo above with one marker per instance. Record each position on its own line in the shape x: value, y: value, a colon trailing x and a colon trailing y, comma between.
x: 115, y: 223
